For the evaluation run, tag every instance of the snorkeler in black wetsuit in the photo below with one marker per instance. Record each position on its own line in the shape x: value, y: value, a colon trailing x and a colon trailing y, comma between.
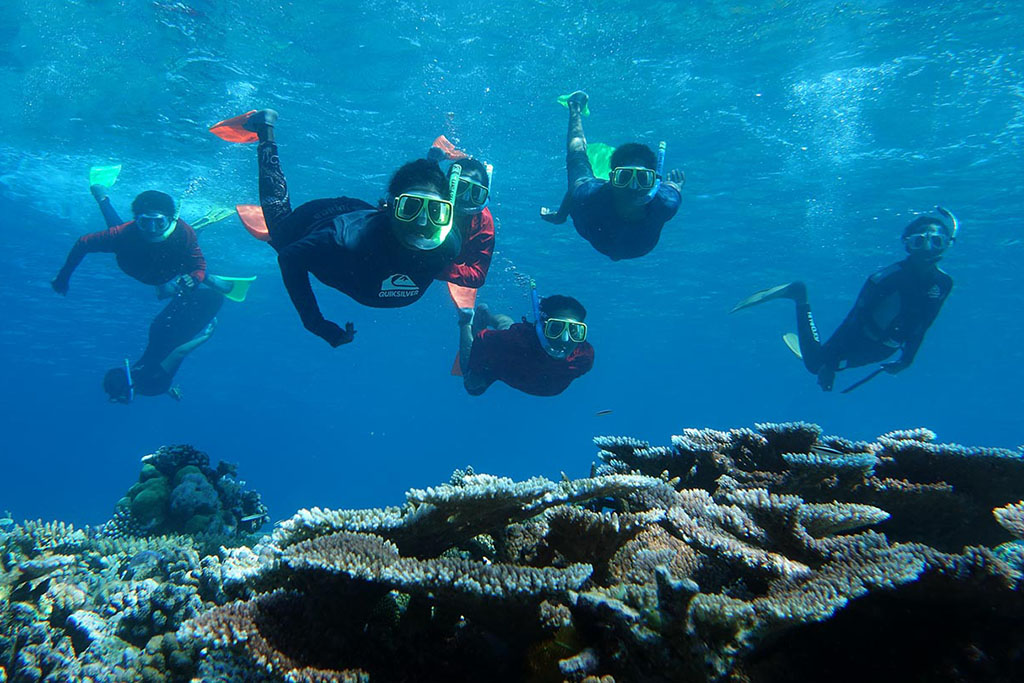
x: 185, y: 323
x: 382, y: 257
x: 622, y: 217
x: 895, y: 308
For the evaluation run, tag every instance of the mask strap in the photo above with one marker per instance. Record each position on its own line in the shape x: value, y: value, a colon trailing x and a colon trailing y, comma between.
x: 131, y: 384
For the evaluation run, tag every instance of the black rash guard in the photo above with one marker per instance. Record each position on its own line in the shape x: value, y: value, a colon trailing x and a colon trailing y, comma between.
x: 344, y: 243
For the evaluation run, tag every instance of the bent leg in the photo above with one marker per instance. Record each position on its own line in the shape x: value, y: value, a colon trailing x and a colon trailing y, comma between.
x: 274, y: 198
x: 810, y: 344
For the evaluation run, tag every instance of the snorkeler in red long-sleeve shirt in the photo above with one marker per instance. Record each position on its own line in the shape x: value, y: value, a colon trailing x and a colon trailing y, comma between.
x: 540, y: 358
x: 156, y: 248
x: 472, y: 216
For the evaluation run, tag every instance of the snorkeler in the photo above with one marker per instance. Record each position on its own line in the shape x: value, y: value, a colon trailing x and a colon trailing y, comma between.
x: 472, y: 215
x: 540, y: 358
x: 895, y: 308
x: 156, y: 248
x: 382, y: 257
x: 184, y: 324
x: 621, y: 217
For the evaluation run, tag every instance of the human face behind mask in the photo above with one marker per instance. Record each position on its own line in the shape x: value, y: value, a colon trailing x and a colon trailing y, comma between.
x: 421, y: 218
x: 154, y: 226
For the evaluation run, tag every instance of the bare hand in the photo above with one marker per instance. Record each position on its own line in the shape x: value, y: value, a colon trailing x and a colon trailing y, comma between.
x: 676, y: 177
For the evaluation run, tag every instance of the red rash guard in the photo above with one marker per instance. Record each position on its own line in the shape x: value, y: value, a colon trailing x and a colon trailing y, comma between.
x: 515, y: 357
x: 469, y: 268
x: 152, y: 263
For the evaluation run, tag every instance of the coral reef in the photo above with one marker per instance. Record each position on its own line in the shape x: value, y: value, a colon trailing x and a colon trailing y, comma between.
x: 104, y: 604
x: 750, y: 556
x: 179, y: 493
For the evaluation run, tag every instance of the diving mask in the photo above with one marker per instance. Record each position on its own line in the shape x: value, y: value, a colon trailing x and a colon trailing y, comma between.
x: 633, y: 177
x: 566, y: 330
x: 155, y: 225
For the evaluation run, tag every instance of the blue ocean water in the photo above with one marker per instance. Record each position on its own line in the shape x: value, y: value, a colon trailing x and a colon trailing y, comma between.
x: 810, y: 134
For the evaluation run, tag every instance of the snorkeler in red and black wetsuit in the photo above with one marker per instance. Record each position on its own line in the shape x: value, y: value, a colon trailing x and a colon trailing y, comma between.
x: 472, y: 215
x: 183, y: 325
x: 895, y: 308
x: 382, y: 257
x: 156, y: 248
x: 540, y: 358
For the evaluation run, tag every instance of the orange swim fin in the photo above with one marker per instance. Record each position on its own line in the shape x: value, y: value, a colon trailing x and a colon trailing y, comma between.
x: 450, y: 152
x: 462, y: 297
x: 232, y: 130
x: 252, y: 219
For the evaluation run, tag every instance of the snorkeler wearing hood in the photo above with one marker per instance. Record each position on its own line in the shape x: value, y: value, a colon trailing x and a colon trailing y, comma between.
x: 472, y: 215
x: 540, y: 358
x: 895, y: 308
x: 622, y: 217
x: 155, y: 248
x: 187, y: 322
x: 384, y: 257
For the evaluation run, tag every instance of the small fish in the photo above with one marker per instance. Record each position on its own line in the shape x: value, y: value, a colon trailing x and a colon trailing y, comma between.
x: 252, y: 518
x: 825, y: 450
x: 606, y: 411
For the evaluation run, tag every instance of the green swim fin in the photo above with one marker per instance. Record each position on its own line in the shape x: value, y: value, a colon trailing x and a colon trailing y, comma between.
x: 564, y: 101
x: 104, y: 175
x: 793, y: 343
x: 213, y: 216
x: 600, y: 156
x: 239, y: 286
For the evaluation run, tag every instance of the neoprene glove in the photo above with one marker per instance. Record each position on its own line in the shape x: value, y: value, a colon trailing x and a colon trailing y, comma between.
x: 334, y: 335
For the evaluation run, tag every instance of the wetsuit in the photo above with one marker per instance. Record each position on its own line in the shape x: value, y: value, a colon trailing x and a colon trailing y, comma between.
x: 596, y: 220
x: 470, y: 267
x: 515, y: 357
x: 895, y: 308
x: 346, y: 244
x: 152, y: 263
x: 180, y: 322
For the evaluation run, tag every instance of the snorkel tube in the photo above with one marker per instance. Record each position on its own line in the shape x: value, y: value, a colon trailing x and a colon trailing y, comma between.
x: 473, y: 210
x: 657, y: 172
x: 131, y: 385
x: 955, y: 229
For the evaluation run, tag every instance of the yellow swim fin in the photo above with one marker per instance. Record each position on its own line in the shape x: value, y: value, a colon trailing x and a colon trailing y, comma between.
x: 239, y: 287
x: 211, y: 217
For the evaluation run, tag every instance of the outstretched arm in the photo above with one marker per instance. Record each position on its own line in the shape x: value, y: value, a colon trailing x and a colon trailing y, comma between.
x: 102, y: 241
x: 913, y: 342
x: 294, y: 261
